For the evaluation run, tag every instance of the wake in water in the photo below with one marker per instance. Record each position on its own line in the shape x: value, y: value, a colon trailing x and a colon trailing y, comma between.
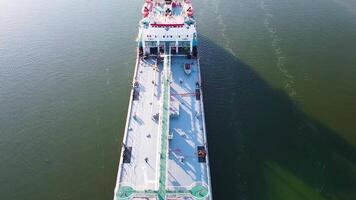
x: 281, y: 59
x: 227, y: 42
x: 304, y: 123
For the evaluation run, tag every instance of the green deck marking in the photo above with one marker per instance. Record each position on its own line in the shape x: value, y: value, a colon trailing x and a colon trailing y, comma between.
x: 199, y: 192
x: 165, y: 127
x: 125, y: 192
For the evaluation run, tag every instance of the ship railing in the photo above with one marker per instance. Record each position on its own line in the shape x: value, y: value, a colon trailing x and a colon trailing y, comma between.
x: 205, y: 134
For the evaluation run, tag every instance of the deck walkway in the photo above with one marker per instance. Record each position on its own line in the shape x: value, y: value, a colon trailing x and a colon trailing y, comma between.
x: 165, y: 123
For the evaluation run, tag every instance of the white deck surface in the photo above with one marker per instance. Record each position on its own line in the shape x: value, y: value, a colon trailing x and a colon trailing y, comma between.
x: 143, y: 133
x: 187, y: 129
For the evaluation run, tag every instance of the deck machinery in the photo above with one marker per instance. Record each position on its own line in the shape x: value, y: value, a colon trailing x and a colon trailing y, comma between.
x: 164, y: 153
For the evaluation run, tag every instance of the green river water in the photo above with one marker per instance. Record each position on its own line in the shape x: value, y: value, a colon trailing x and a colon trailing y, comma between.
x: 279, y: 90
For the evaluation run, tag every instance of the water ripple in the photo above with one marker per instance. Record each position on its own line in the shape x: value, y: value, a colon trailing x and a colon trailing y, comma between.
x: 276, y: 45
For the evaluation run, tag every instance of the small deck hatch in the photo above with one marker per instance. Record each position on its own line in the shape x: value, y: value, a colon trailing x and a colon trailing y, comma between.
x: 197, y: 94
x: 136, y: 94
x: 127, y: 154
x: 201, y: 152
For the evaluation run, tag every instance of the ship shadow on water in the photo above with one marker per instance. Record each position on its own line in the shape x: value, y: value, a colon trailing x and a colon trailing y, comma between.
x: 261, y: 144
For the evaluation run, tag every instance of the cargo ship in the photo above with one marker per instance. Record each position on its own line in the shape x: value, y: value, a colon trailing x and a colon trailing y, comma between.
x: 164, y: 153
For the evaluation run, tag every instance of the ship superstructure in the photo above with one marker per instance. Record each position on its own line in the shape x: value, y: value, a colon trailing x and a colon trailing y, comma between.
x: 164, y: 152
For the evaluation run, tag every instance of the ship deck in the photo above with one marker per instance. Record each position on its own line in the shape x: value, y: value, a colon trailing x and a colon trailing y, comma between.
x: 144, y: 171
x: 187, y: 128
x: 142, y: 132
